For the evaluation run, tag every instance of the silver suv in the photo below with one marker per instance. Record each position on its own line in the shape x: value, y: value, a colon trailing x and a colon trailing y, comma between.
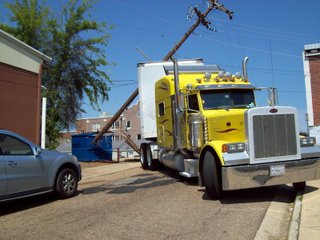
x: 26, y: 169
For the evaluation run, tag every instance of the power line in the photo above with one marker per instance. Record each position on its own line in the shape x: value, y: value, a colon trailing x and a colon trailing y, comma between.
x: 249, y: 48
x: 269, y: 31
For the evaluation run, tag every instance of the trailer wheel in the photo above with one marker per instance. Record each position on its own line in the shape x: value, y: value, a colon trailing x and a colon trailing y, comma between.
x: 210, y: 176
x: 153, y: 164
x: 299, y: 186
x: 143, y: 155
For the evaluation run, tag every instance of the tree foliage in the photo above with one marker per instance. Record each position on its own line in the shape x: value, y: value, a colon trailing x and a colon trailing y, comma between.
x: 76, y: 44
x: 30, y: 19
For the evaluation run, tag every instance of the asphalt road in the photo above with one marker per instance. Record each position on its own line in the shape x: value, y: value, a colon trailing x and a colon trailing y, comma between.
x: 138, y: 204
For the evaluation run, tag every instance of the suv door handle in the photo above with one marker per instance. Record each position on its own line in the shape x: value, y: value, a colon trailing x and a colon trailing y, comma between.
x: 11, y: 163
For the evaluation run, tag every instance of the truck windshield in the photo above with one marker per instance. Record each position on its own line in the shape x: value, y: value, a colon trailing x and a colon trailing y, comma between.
x: 227, y: 98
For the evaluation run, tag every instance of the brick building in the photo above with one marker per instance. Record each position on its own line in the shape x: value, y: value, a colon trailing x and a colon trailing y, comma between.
x: 311, y: 59
x: 20, y: 87
x: 128, y: 122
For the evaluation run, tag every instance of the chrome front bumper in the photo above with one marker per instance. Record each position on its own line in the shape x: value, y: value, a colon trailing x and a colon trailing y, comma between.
x: 259, y: 175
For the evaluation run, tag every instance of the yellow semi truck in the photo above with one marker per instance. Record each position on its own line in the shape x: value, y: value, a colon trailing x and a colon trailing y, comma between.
x: 204, y: 122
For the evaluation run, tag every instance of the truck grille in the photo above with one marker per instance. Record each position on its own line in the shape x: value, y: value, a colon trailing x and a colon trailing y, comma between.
x: 274, y: 135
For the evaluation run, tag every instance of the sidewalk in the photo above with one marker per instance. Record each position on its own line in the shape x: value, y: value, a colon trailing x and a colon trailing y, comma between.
x: 310, y: 212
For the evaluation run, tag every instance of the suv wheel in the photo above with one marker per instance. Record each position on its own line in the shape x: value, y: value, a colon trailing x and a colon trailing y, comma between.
x: 66, y: 183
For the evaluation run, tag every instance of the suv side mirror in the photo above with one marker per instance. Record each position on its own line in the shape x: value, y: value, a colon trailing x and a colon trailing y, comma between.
x: 37, y: 151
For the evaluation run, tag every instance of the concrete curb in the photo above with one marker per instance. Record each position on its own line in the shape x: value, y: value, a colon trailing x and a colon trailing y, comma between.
x: 275, y: 219
x: 294, y: 225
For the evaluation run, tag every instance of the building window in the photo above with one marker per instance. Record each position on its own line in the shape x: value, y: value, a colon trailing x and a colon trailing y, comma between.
x: 115, y: 125
x: 139, y: 136
x: 96, y: 127
x: 115, y: 138
x: 128, y: 125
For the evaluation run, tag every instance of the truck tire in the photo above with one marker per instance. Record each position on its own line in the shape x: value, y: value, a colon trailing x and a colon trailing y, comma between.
x: 66, y: 183
x: 143, y: 155
x: 299, y: 186
x: 153, y: 164
x: 210, y: 176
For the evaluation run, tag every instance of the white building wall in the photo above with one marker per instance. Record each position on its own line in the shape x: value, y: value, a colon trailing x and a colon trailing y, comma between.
x: 315, y: 132
x: 18, y: 54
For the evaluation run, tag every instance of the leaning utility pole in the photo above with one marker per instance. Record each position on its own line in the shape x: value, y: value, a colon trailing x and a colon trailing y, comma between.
x: 214, y: 4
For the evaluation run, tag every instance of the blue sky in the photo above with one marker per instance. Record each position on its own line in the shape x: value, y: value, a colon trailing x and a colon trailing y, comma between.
x: 271, y: 33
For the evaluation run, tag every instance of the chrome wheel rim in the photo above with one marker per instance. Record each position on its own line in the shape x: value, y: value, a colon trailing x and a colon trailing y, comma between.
x: 68, y: 183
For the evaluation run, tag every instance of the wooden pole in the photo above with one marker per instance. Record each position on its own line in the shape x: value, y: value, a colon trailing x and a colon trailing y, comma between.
x: 201, y: 19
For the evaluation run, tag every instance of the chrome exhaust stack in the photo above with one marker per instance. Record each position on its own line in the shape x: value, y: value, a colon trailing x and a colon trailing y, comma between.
x: 178, y: 108
x: 244, y: 68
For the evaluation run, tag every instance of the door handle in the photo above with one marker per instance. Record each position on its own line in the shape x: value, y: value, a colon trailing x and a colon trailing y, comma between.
x: 11, y: 163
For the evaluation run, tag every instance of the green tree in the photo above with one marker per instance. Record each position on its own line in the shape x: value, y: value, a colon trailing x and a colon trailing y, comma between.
x: 30, y: 18
x: 76, y: 44
x: 76, y: 68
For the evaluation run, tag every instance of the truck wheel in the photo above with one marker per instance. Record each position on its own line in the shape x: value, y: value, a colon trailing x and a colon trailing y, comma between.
x: 210, y: 176
x: 153, y: 164
x: 143, y: 155
x: 66, y: 183
x: 299, y: 186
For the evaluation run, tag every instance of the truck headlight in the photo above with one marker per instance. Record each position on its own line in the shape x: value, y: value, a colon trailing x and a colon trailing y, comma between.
x: 307, y: 141
x: 233, y: 147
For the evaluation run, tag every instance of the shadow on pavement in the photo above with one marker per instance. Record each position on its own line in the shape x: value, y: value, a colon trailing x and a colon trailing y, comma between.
x: 281, y: 193
x: 132, y: 184
x: 22, y: 204
x: 309, y: 189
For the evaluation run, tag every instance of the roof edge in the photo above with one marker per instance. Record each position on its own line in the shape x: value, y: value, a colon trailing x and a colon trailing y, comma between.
x: 26, y: 46
x: 312, y: 46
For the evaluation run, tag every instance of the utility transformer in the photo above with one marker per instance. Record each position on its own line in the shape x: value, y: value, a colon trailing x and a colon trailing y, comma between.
x: 204, y: 122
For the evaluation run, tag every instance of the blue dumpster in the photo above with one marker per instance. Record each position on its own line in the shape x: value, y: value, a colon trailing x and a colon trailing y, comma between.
x: 87, y: 151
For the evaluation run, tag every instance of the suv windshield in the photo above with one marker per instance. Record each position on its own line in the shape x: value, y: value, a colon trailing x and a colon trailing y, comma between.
x: 227, y: 98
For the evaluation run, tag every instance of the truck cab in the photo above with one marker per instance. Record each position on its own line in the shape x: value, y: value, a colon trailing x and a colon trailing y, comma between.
x: 208, y: 126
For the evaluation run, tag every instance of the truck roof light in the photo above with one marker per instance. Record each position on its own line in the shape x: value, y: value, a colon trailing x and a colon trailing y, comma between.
x: 228, y: 75
x: 221, y: 74
x: 238, y: 75
x: 207, y: 76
